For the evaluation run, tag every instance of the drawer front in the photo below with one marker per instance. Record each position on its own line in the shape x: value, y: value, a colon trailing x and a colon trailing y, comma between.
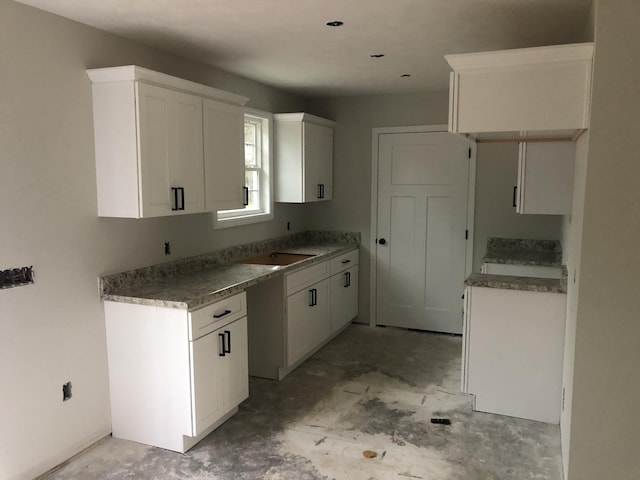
x: 344, y: 261
x: 303, y: 278
x: 209, y: 318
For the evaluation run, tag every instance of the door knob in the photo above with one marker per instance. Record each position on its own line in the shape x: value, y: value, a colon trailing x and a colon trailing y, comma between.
x: 382, y: 241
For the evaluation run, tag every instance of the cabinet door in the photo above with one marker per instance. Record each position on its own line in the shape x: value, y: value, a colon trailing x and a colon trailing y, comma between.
x: 344, y: 298
x: 545, y: 178
x: 170, y: 150
x: 187, y: 168
x: 307, y: 320
x: 234, y: 386
x: 206, y: 378
x: 154, y: 150
x: 318, y: 162
x: 223, y: 155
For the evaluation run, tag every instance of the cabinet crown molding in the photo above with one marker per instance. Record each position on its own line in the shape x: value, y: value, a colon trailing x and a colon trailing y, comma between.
x: 137, y: 73
x: 302, y: 117
x: 521, y: 56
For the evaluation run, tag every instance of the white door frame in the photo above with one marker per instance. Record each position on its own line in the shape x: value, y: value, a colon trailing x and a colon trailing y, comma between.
x: 471, y: 200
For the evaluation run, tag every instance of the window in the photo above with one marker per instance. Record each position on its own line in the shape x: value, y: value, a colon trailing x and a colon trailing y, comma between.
x: 257, y: 173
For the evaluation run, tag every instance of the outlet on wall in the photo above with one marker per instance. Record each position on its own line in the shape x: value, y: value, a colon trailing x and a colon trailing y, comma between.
x: 66, y: 391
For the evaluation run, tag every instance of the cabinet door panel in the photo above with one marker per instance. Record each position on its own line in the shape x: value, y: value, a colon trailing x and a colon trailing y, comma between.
x: 344, y: 298
x: 307, y: 324
x: 318, y: 164
x: 223, y: 155
x: 154, y: 150
x: 235, y: 374
x: 187, y: 167
x: 206, y: 378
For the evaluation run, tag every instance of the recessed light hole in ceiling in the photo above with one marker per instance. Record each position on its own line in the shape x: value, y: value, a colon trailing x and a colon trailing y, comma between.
x: 377, y: 55
x: 335, y: 23
x: 405, y: 75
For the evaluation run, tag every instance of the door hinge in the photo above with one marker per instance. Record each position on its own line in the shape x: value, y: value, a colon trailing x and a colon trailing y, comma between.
x: 466, y: 234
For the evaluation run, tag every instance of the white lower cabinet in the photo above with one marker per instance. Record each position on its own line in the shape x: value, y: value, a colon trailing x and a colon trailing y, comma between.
x: 175, y: 375
x: 291, y: 319
x: 307, y: 320
x: 513, y: 345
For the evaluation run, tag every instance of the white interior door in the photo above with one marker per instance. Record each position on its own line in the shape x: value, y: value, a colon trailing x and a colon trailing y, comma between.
x: 423, y: 185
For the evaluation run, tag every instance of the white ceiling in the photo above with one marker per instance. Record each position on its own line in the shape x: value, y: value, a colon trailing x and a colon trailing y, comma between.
x: 285, y: 43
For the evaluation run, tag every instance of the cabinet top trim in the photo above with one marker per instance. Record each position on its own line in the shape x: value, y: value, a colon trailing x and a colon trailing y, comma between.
x: 521, y: 56
x: 302, y: 117
x: 136, y: 73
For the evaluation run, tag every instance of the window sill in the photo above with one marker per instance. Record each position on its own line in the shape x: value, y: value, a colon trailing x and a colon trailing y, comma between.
x: 242, y: 220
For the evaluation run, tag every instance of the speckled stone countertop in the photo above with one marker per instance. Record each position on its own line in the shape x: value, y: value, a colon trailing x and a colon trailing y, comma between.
x: 198, y: 281
x: 511, y: 282
x: 516, y: 251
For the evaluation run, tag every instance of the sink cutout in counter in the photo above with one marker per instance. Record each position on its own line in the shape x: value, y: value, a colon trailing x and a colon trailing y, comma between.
x: 274, y: 258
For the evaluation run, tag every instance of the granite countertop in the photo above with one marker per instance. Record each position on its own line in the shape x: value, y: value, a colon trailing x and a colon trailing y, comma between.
x: 515, y: 251
x: 175, y: 286
x: 512, y: 282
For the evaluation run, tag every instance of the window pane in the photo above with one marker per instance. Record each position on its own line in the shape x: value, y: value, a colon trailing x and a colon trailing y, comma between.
x: 249, y: 133
x: 251, y: 145
x: 252, y: 181
x: 250, y: 155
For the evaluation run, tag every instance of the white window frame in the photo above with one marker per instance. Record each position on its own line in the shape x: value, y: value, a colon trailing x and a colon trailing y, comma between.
x: 233, y: 218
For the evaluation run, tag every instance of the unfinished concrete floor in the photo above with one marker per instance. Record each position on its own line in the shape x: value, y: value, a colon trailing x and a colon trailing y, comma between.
x: 369, y: 389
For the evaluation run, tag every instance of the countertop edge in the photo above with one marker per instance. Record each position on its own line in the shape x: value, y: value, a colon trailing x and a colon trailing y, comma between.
x: 235, y: 288
x: 512, y: 282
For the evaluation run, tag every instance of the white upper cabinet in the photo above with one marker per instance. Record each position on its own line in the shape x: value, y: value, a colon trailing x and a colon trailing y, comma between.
x: 545, y: 178
x: 164, y: 145
x: 223, y: 146
x: 303, y: 158
x: 528, y: 89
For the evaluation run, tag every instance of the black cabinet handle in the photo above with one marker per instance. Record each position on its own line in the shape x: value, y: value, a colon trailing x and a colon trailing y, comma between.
x: 174, y: 191
x: 224, y: 348
x: 515, y: 190
x: 313, y: 297
x: 245, y: 196
x: 228, y: 335
x: 220, y: 315
x: 182, y: 198
x: 321, y: 190
x: 345, y: 261
x: 382, y: 241
x: 347, y: 279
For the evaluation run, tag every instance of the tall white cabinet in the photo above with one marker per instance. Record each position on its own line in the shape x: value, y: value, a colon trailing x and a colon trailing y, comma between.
x: 164, y: 145
x: 303, y: 158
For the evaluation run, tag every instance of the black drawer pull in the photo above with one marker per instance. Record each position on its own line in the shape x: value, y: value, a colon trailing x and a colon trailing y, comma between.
x: 182, y: 197
x: 313, y: 297
x: 345, y: 261
x: 515, y: 191
x: 321, y: 190
x: 220, y: 315
x: 174, y: 206
x: 224, y: 348
x: 228, y: 335
x: 347, y: 279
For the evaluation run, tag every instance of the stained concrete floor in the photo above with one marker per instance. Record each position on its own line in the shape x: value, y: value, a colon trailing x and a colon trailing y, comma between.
x: 368, y: 389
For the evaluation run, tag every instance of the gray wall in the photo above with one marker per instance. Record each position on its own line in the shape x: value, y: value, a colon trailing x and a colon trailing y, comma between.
x: 606, y: 385
x: 53, y: 331
x: 350, y: 208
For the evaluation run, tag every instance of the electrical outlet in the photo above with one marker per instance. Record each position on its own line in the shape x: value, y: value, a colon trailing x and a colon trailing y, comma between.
x: 66, y: 391
x: 167, y: 248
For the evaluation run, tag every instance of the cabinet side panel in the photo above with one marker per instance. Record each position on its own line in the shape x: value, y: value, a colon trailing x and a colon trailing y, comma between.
x: 515, y: 352
x: 114, y: 124
x: 148, y: 355
x: 265, y: 314
x: 288, y: 162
